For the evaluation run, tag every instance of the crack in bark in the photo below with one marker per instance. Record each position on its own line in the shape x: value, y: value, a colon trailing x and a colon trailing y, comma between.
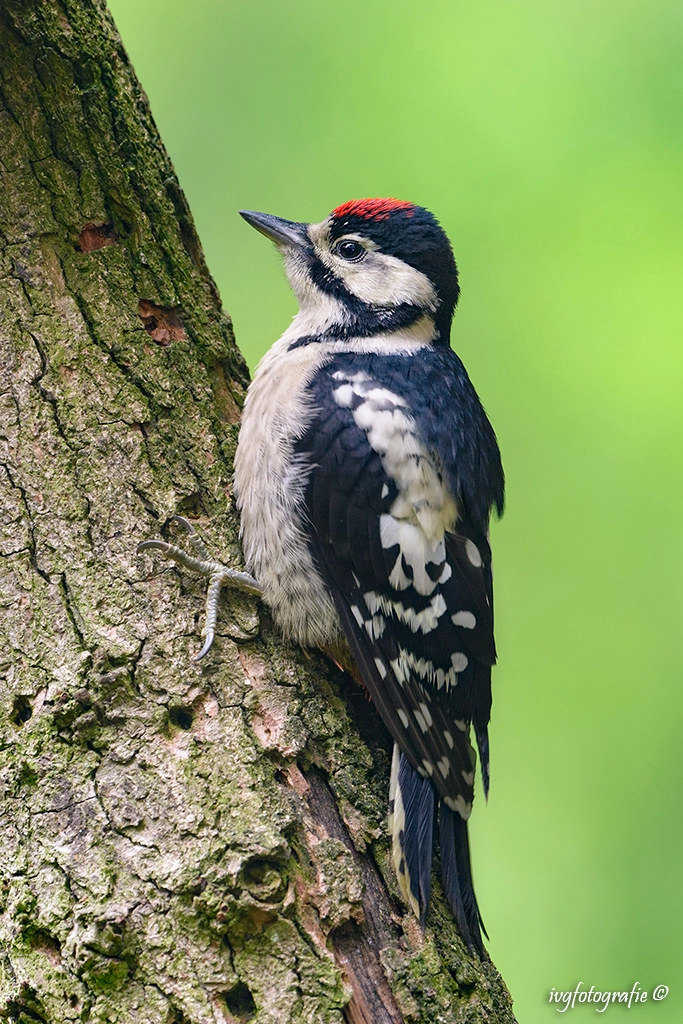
x: 73, y: 614
x: 29, y: 521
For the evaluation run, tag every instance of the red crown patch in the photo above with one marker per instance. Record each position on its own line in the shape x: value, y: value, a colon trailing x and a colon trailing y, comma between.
x: 372, y: 209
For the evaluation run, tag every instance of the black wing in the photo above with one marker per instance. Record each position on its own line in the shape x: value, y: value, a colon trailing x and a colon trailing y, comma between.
x: 416, y: 610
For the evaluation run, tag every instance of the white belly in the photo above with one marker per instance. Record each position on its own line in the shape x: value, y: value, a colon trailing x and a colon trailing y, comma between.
x: 270, y: 481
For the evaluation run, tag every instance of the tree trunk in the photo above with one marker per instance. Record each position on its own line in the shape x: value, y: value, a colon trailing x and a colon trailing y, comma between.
x: 179, y: 843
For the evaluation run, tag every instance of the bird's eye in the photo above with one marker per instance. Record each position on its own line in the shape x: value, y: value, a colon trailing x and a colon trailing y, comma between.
x: 350, y: 250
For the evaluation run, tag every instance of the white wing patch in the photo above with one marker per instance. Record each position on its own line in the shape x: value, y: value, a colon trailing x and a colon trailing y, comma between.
x: 424, y: 509
x: 423, y: 621
x: 416, y: 552
x: 406, y: 664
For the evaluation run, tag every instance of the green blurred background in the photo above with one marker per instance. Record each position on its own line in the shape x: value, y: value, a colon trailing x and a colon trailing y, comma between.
x: 548, y: 139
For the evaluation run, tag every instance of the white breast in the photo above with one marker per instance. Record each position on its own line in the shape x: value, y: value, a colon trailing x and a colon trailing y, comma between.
x: 270, y: 481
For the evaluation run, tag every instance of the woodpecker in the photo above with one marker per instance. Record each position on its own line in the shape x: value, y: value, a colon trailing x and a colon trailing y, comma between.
x: 366, y: 474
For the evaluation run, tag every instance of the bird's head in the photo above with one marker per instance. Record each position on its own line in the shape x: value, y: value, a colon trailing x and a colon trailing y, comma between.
x: 373, y: 265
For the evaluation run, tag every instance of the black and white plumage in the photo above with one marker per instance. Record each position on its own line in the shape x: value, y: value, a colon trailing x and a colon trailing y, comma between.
x: 366, y: 473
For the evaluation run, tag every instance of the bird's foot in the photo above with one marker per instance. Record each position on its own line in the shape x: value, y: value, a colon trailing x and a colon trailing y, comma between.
x: 219, y: 575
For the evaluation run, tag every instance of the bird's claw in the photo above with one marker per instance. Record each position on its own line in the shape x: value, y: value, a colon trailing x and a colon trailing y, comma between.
x: 219, y: 575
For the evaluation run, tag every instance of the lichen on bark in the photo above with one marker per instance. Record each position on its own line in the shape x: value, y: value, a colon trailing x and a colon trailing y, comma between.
x: 180, y: 845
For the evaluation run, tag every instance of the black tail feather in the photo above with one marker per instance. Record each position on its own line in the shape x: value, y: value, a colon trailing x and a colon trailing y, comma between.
x: 482, y: 734
x: 456, y: 873
x: 417, y: 794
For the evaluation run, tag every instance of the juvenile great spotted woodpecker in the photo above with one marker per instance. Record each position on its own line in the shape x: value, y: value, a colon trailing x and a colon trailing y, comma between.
x: 366, y: 474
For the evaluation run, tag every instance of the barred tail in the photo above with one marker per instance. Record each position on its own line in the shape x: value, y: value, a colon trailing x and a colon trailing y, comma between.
x: 412, y: 800
x: 411, y: 824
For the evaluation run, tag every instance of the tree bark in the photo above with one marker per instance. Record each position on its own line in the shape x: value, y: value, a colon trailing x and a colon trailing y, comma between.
x: 180, y: 844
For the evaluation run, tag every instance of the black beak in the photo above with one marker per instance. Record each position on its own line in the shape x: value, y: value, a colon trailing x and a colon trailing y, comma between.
x: 284, y: 232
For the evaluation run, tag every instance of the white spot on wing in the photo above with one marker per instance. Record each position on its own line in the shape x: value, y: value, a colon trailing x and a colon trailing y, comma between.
x: 375, y: 626
x: 448, y: 738
x: 473, y: 553
x: 428, y: 766
x: 399, y: 673
x: 356, y: 612
x: 381, y: 668
x: 444, y: 766
x: 354, y: 378
x: 446, y: 574
x: 407, y: 663
x: 403, y: 716
x: 427, y: 715
x: 460, y: 805
x: 343, y: 396
x: 382, y: 397
x: 464, y: 619
x: 423, y: 621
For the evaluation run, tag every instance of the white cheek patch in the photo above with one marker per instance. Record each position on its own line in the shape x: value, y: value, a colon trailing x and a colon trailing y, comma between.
x: 383, y: 280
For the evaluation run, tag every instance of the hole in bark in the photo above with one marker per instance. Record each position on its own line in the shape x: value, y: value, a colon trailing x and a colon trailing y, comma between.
x: 27, y: 776
x: 38, y: 938
x: 264, y: 880
x: 256, y: 870
x: 239, y: 1002
x: 73, y: 1001
x: 181, y: 717
x: 96, y: 236
x: 21, y: 710
x: 191, y: 505
x: 162, y: 323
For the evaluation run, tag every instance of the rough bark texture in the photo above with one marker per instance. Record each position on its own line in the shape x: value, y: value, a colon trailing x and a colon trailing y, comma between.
x: 178, y: 844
